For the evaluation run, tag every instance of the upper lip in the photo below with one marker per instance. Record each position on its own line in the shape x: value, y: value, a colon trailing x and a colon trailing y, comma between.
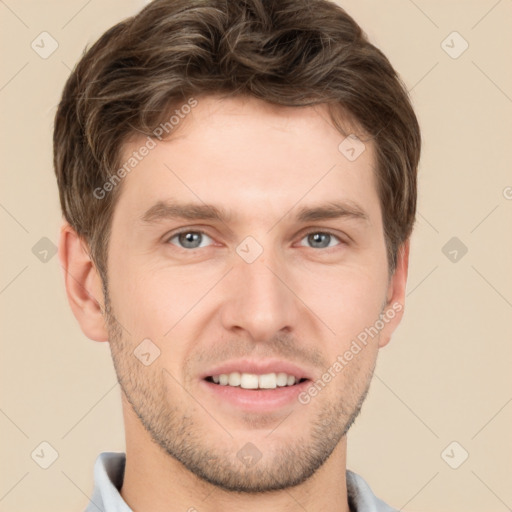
x: 259, y: 367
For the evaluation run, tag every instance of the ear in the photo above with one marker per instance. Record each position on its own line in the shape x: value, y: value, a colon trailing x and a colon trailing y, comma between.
x: 83, y: 284
x: 395, y: 297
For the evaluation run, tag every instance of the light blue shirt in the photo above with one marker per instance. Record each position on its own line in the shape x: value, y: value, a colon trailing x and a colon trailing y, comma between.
x: 109, y: 474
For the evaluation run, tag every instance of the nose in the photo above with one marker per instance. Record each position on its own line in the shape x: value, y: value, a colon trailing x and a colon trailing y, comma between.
x: 259, y: 298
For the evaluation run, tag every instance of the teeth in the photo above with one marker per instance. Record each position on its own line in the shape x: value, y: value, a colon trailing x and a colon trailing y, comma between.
x: 268, y: 381
x: 282, y: 379
x: 234, y: 379
x: 290, y: 380
x: 249, y: 381
x: 253, y: 381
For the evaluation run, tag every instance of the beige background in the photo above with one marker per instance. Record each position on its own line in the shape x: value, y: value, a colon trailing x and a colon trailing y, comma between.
x: 446, y: 374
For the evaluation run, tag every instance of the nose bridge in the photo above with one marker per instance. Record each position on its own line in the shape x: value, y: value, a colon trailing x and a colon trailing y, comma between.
x: 257, y: 300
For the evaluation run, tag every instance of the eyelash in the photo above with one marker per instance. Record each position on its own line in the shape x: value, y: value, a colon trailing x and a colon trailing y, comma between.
x: 313, y: 231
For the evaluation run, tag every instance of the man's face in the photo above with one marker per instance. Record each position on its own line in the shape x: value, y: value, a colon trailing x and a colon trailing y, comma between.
x: 260, y: 285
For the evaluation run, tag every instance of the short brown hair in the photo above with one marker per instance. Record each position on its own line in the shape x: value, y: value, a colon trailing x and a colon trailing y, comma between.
x: 286, y: 52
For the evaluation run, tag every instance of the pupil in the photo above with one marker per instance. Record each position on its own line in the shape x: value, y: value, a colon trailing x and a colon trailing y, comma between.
x: 188, y: 239
x: 316, y: 238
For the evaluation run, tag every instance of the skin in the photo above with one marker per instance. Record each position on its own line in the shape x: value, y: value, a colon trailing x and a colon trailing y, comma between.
x: 298, y: 301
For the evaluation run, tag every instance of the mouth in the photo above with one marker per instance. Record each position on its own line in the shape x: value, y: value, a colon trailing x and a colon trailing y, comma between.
x: 254, y: 382
x: 255, y: 385
x: 254, y: 393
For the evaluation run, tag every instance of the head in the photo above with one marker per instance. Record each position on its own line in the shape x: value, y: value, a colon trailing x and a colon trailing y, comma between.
x: 291, y: 245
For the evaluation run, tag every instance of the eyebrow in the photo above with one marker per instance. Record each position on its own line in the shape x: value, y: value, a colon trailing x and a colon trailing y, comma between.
x: 169, y: 210
x: 333, y: 210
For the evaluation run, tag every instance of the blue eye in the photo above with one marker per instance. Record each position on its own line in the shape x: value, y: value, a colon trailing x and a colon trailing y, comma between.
x: 320, y: 239
x: 189, y: 239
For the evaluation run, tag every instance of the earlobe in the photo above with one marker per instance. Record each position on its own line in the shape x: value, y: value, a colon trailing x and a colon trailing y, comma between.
x: 394, y: 310
x: 83, y: 284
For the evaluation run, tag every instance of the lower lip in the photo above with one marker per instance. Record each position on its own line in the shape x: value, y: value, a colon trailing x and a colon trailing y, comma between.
x: 256, y: 400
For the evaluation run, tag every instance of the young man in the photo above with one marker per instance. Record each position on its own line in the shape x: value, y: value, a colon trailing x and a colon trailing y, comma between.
x: 238, y: 181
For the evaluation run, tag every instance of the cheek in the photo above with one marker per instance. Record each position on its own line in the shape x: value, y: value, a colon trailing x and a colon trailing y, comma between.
x: 346, y: 300
x: 156, y: 301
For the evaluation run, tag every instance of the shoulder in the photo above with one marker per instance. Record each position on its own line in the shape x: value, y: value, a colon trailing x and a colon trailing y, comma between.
x: 361, y: 497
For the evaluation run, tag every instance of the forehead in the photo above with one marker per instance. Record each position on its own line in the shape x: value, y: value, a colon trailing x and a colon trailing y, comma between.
x: 245, y: 153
